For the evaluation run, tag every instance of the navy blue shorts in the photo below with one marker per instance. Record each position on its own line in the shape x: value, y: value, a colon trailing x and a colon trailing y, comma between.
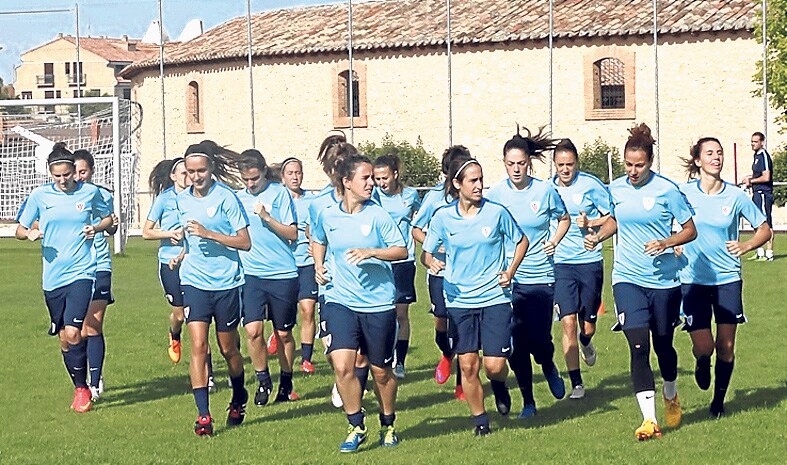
x: 578, y: 290
x: 641, y: 307
x: 270, y: 299
x: 373, y: 333
x: 68, y: 305
x: 170, y: 281
x: 307, y: 286
x: 723, y: 302
x: 486, y: 328
x: 221, y: 306
x: 404, y: 281
x: 436, y: 296
x: 764, y: 201
x: 103, y: 287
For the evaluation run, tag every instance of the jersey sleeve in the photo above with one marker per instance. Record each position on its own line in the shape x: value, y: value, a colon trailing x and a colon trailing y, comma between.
x: 416, y: 200
x: 156, y: 209
x: 234, y: 211
x: 425, y: 211
x: 29, y: 212
x: 287, y: 213
x: 557, y: 209
x: 599, y: 195
x: 389, y: 232
x: 508, y: 226
x: 435, y: 236
x: 317, y: 230
x: 679, y: 205
x: 109, y: 199
x: 748, y: 210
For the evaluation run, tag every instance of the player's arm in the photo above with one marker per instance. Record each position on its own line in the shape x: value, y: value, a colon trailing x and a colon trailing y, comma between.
x: 151, y: 232
x: 763, y: 178
x: 419, y: 235
x: 687, y: 234
x: 562, y: 228
x: 608, y: 228
x: 762, y: 234
x: 240, y: 240
x: 288, y: 232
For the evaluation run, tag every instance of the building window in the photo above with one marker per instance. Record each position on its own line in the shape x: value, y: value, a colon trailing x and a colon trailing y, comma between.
x: 48, y: 78
x: 194, y: 110
x: 68, y: 68
x: 609, y: 84
x: 27, y: 95
x: 349, y: 95
x: 127, y: 94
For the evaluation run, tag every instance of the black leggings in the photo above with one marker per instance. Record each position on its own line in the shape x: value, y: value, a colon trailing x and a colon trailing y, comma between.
x: 639, y: 347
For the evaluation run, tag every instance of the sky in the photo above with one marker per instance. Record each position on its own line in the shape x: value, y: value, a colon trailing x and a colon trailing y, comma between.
x: 112, y: 18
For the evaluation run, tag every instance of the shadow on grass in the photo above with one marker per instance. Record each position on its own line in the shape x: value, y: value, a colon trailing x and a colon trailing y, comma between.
x: 145, y: 391
x: 743, y: 401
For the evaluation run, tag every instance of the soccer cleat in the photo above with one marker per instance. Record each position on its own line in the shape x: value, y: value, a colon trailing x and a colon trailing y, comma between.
x: 768, y: 259
x: 762, y: 259
x: 95, y: 394
x: 556, y: 385
x: 174, y: 349
x: 588, y: 354
x: 211, y: 384
x: 203, y: 426
x: 273, y: 345
x: 648, y: 430
x: 702, y: 373
x: 399, y: 371
x: 755, y: 257
x: 262, y: 395
x: 443, y: 370
x: 577, y: 392
x: 503, y: 402
x: 285, y: 396
x: 716, y: 410
x: 336, y: 399
x: 307, y: 367
x: 672, y: 412
x: 236, y: 412
x: 356, y: 436
x: 82, y: 402
x: 483, y: 430
x: 388, y: 437
x: 101, y: 385
x: 528, y: 411
x: 459, y: 393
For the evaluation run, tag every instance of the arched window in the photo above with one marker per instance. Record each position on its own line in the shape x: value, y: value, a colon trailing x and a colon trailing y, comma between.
x: 194, y: 121
x: 349, y: 95
x: 344, y: 94
x: 609, y: 80
x: 610, y: 87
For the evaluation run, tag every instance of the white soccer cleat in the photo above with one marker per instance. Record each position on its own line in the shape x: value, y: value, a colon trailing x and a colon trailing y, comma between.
x: 577, y: 392
x: 588, y: 353
x: 95, y: 393
x: 336, y: 399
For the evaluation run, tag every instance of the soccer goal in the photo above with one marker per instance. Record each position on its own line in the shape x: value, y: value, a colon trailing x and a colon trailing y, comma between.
x: 102, y: 125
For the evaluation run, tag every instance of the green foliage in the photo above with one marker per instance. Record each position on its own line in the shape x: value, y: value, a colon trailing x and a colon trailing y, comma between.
x: 593, y: 160
x: 420, y: 168
x: 780, y: 174
x: 5, y: 96
x: 776, y: 29
x: 90, y: 108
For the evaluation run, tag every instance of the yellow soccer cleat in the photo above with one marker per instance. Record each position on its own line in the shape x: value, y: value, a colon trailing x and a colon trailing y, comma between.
x: 648, y: 430
x: 174, y: 349
x: 672, y: 412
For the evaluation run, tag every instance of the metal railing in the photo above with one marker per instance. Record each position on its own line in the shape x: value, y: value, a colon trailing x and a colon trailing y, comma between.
x: 45, y: 80
x: 76, y: 79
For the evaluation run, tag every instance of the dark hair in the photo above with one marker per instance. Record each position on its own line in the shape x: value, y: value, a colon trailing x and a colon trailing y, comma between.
x: 274, y: 173
x: 333, y: 150
x: 456, y: 170
x: 533, y: 146
x: 289, y: 160
x: 252, y: 158
x: 760, y: 135
x: 346, y: 169
x: 452, y: 153
x: 159, y: 179
x: 565, y: 145
x: 694, y: 154
x: 640, y: 138
x: 84, y: 155
x: 222, y: 161
x: 60, y: 154
x: 391, y: 161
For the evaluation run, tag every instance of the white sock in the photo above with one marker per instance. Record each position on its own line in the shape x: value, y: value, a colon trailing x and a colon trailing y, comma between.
x: 761, y: 252
x: 670, y: 389
x: 647, y: 404
x: 769, y: 253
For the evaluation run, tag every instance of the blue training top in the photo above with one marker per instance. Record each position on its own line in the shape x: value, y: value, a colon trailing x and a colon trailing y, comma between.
x: 402, y: 207
x: 716, y: 218
x: 588, y: 194
x: 533, y: 208
x: 302, y: 257
x: 646, y: 213
x: 367, y: 287
x: 67, y: 255
x: 209, y: 265
x: 433, y: 200
x: 164, y: 211
x: 475, y: 253
x: 100, y: 242
x: 762, y: 162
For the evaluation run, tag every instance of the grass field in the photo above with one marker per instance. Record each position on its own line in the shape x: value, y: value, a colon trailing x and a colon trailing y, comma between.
x: 147, y: 412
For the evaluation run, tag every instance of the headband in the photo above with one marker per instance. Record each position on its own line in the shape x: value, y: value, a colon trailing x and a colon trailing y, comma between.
x: 288, y: 160
x: 465, y: 165
x: 175, y: 163
x: 197, y: 154
x: 61, y: 160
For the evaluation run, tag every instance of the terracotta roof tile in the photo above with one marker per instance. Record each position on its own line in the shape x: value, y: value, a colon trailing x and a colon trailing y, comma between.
x: 415, y: 23
x: 116, y: 50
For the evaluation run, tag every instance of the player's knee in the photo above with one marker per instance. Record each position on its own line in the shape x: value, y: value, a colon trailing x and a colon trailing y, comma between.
x: 72, y: 335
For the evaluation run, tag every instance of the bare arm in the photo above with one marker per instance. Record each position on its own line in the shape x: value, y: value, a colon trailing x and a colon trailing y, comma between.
x: 762, y: 235
x: 506, y: 276
x: 419, y: 235
x: 239, y: 241
x: 388, y: 254
x: 151, y: 232
x: 687, y: 234
x: 288, y: 232
x: 607, y: 229
x: 562, y: 228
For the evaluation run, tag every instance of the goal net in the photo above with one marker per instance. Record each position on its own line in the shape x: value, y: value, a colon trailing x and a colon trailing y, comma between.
x: 101, y: 125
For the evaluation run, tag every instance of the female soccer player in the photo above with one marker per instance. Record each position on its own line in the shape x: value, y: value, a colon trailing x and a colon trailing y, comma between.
x: 93, y: 328
x: 433, y: 200
x: 401, y: 202
x: 216, y: 227
x: 271, y: 281
x: 645, y: 281
x: 579, y: 273
x: 534, y: 204
x: 360, y: 239
x: 474, y: 232
x: 292, y: 178
x: 711, y: 280
x: 66, y: 210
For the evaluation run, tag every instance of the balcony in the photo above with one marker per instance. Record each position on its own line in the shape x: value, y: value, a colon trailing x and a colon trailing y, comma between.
x: 45, y: 80
x: 76, y: 79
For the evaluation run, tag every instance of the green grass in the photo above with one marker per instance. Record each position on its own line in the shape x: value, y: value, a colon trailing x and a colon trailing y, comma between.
x: 147, y: 412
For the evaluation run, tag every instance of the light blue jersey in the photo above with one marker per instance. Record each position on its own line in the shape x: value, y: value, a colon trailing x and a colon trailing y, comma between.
x: 644, y: 214
x: 402, y: 207
x: 533, y: 208
x: 208, y: 265
x: 588, y: 194
x: 367, y: 287
x: 325, y: 198
x: 100, y: 242
x: 433, y: 200
x: 164, y: 211
x: 270, y: 256
x: 67, y: 255
x: 716, y: 218
x: 474, y: 251
x: 302, y: 257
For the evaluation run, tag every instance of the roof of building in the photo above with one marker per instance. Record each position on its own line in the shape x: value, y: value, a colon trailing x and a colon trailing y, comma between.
x: 392, y: 24
x: 109, y: 48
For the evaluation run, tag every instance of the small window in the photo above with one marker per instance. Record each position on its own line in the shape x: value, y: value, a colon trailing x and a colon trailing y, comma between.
x: 68, y: 68
x: 345, y: 104
x: 27, y: 95
x: 49, y: 94
x: 58, y: 94
x: 194, y: 120
x: 349, y: 95
x: 127, y: 94
x: 609, y: 84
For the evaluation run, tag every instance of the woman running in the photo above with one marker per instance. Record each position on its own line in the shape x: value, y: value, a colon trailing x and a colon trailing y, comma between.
x: 401, y: 202
x: 474, y: 232
x: 66, y: 210
x: 534, y: 204
x: 216, y: 228
x: 93, y: 328
x: 270, y: 290
x: 292, y: 178
x: 361, y: 240
x: 579, y: 273
x: 711, y: 280
x: 645, y: 281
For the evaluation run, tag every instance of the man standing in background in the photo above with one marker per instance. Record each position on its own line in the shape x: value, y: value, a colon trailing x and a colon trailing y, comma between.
x: 761, y: 182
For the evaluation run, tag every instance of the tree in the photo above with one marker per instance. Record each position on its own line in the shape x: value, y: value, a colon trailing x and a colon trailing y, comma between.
x: 89, y: 109
x: 420, y: 168
x: 779, y: 173
x: 593, y: 160
x: 776, y: 30
x: 4, y: 95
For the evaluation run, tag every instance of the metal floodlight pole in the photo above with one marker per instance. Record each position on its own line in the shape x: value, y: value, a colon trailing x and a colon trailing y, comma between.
x: 551, y: 70
x: 350, y: 77
x: 251, y: 74
x: 161, y: 78
x: 78, y: 73
x: 117, y: 198
x: 450, y: 83
x: 656, y: 71
x: 765, y: 68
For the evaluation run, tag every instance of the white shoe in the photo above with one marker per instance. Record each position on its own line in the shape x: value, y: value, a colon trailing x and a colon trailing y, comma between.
x: 577, y: 392
x: 211, y: 384
x: 399, y: 371
x: 588, y: 353
x: 95, y: 393
x: 101, y: 385
x: 336, y: 399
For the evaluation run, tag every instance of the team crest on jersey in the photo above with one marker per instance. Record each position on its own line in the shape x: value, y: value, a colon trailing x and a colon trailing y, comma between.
x: 211, y: 211
x: 648, y: 202
x: 80, y: 206
x: 577, y: 198
x: 186, y: 311
x: 726, y: 210
x: 486, y: 231
x: 622, y: 318
x: 689, y: 320
x: 534, y: 206
x: 366, y: 229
